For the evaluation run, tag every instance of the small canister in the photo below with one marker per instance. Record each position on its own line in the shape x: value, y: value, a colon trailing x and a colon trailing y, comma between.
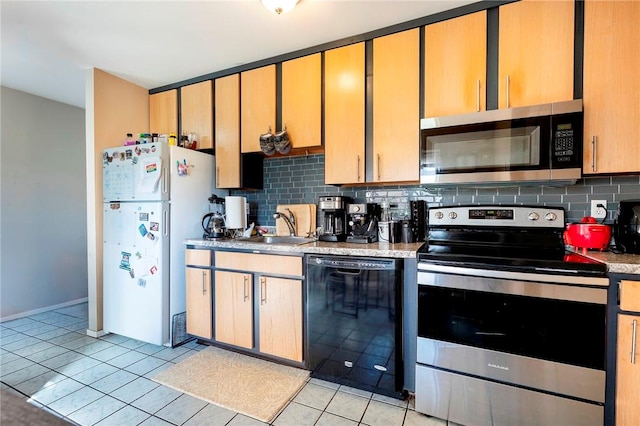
x: 407, y: 235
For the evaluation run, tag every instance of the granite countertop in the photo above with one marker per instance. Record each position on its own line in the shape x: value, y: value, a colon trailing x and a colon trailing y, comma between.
x: 616, y: 263
x: 379, y: 249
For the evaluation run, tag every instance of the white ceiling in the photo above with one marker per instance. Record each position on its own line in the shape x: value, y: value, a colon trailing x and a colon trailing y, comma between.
x: 47, y: 46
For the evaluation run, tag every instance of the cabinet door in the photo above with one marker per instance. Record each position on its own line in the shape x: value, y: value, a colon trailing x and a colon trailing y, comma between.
x: 198, y: 284
x: 630, y: 295
x: 196, y: 103
x: 344, y: 111
x: 258, y: 94
x: 302, y: 100
x: 611, y: 90
x: 535, y: 53
x: 163, y: 112
x: 628, y: 371
x: 234, y: 307
x: 227, y: 133
x: 396, y: 107
x: 455, y: 66
x: 281, y: 317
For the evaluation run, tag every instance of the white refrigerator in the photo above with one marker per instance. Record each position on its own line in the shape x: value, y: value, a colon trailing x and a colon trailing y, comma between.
x: 154, y: 198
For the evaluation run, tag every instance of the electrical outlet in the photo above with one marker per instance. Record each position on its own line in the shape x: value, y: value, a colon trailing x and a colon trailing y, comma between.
x: 599, y: 209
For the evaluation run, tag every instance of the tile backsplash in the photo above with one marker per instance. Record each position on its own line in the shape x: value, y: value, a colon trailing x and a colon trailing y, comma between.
x: 293, y: 180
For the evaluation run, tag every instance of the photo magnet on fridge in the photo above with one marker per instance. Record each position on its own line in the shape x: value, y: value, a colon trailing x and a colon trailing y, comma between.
x: 143, y: 217
x: 142, y: 229
x: 124, y: 262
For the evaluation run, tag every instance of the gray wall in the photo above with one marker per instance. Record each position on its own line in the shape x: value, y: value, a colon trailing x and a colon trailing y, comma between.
x: 43, y: 226
x: 292, y: 180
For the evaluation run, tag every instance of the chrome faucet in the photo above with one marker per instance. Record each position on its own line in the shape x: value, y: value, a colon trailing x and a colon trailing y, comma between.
x: 290, y: 221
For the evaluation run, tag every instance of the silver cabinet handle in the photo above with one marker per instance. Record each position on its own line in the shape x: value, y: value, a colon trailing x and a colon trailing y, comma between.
x: 478, y: 97
x: 246, y: 288
x: 633, y: 342
x: 507, y: 91
x: 263, y: 290
x: 594, y: 145
x: 204, y: 284
x: 379, y: 167
x: 358, y: 168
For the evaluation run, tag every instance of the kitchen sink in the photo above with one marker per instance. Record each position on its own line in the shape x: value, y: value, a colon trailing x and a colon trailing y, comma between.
x: 278, y: 240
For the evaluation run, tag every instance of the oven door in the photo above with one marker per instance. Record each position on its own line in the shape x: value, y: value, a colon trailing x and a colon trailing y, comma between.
x: 539, y: 335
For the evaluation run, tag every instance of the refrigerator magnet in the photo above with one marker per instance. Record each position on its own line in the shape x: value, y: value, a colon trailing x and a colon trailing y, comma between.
x: 151, y: 236
x: 122, y: 156
x: 139, y: 255
x: 182, y: 168
x: 134, y: 160
x: 138, y: 151
x: 154, y: 226
x: 144, y: 217
x: 142, y: 282
x: 128, y: 154
x: 153, y: 269
x: 142, y: 229
x: 131, y: 273
x: 124, y: 262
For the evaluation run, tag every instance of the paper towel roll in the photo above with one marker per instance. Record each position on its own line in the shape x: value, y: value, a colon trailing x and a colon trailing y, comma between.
x: 235, y: 212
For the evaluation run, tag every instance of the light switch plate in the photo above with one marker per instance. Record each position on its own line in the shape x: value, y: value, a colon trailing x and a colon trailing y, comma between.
x: 599, y: 209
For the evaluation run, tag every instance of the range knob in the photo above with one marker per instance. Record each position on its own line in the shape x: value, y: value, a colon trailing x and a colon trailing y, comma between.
x: 533, y: 216
x: 355, y: 208
x: 550, y: 217
x: 453, y: 215
x: 439, y: 215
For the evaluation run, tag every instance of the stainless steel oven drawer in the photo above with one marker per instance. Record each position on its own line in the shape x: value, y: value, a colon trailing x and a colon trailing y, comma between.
x: 470, y: 401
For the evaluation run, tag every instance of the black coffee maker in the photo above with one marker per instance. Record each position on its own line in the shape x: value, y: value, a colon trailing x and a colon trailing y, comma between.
x: 363, y: 222
x: 334, y: 218
x: 626, y: 227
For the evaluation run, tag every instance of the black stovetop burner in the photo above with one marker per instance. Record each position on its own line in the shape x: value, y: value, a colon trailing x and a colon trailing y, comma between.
x: 513, y: 238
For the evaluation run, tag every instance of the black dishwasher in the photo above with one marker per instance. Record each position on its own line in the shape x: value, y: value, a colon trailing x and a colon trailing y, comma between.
x: 354, y: 322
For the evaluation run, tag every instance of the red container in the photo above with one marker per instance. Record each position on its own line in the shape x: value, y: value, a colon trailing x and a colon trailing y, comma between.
x: 588, y: 234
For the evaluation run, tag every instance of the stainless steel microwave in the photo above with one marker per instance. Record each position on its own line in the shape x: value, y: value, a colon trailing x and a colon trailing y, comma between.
x: 541, y: 143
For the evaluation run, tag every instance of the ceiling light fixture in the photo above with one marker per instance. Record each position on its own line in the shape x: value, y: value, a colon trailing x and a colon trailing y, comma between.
x: 279, y: 6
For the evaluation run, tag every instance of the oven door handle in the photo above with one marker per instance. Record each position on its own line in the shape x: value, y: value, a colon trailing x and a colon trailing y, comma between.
x: 509, y: 275
x: 513, y: 287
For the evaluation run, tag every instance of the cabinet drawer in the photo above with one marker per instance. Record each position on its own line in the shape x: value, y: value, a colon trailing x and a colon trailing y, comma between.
x: 265, y: 263
x: 198, y: 257
x: 630, y: 295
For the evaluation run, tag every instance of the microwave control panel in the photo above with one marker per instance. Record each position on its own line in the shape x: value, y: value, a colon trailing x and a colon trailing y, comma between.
x: 566, y: 140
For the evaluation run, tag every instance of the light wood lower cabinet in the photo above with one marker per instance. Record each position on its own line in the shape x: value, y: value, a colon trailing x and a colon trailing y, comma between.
x: 281, y: 317
x: 234, y: 308
x: 277, y: 301
x: 628, y: 356
x: 198, y: 284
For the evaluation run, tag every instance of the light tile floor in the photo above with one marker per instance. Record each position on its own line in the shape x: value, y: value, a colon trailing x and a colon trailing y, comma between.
x: 48, y: 360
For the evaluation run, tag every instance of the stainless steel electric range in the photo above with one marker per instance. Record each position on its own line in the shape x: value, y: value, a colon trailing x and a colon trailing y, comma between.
x: 511, y: 327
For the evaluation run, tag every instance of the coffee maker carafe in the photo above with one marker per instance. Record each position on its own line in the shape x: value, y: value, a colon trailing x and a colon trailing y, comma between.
x: 213, y: 223
x: 363, y: 222
x: 335, y: 227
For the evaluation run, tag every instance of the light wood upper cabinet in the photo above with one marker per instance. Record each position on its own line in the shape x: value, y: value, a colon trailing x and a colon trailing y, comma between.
x: 536, y: 45
x: 234, y: 308
x: 396, y: 107
x: 227, y: 131
x: 611, y: 87
x: 163, y: 112
x: 281, y: 317
x: 199, y: 301
x: 344, y: 114
x: 258, y: 87
x: 196, y: 103
x: 302, y: 100
x: 455, y: 66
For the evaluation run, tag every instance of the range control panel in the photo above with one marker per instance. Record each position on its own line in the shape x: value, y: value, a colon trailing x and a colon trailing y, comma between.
x: 497, y: 216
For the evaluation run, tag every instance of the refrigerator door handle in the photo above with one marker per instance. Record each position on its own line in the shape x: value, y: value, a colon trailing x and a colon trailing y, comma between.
x: 165, y: 187
x: 165, y: 219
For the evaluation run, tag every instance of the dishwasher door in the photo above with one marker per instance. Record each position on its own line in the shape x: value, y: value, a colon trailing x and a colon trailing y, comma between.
x: 354, y: 322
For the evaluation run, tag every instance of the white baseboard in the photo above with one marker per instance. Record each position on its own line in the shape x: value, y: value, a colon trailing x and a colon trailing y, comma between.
x: 39, y: 310
x: 96, y: 334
